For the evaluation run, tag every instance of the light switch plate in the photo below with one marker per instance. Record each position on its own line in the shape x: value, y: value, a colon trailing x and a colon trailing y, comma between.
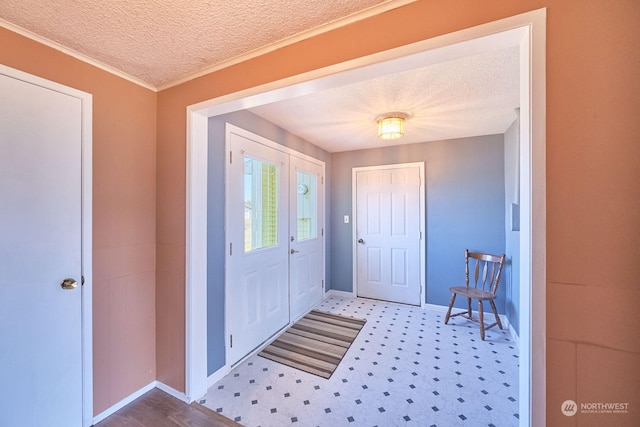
x: 346, y: 219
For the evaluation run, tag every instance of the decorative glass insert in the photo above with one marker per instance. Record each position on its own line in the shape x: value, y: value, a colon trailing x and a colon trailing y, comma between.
x: 307, y: 206
x: 260, y: 204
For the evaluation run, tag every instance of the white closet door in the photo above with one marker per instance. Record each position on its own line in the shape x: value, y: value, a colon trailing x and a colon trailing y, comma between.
x: 40, y: 247
x: 388, y: 234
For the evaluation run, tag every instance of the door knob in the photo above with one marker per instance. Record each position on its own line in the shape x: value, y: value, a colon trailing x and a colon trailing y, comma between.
x: 293, y: 251
x: 361, y: 241
x: 69, y: 284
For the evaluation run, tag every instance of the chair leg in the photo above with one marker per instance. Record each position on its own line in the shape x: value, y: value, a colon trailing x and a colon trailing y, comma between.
x: 495, y: 313
x: 481, y: 315
x: 469, y: 308
x: 446, y: 318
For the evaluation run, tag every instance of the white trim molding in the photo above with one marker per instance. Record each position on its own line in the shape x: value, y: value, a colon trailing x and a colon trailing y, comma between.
x: 339, y: 294
x: 139, y: 393
x: 330, y: 26
x: 217, y: 376
x: 172, y: 391
x: 67, y: 51
x: 383, y: 7
x: 196, y: 260
x: 124, y: 402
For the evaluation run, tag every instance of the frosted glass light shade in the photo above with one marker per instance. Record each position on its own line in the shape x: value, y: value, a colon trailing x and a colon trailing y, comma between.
x: 391, y: 127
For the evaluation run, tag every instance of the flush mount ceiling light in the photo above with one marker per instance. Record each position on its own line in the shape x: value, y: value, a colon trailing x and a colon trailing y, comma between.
x: 391, y: 125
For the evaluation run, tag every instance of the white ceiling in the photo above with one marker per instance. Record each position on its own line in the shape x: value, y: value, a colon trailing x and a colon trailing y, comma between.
x: 162, y: 42
x: 470, y: 96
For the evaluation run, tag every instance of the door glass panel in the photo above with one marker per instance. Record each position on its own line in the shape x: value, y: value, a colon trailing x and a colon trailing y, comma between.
x: 260, y: 204
x: 307, y: 206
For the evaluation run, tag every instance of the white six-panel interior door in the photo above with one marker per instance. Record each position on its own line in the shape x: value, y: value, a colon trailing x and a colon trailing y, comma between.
x: 275, y: 239
x: 389, y: 232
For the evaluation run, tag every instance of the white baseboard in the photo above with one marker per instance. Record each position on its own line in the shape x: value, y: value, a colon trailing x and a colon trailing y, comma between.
x: 340, y: 294
x: 508, y: 326
x: 124, y: 402
x: 133, y: 396
x: 514, y: 335
x: 439, y: 308
x: 172, y: 391
x: 434, y: 307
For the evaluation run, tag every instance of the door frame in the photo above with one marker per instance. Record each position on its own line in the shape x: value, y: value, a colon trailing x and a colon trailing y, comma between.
x: 229, y: 129
x: 526, y: 30
x: 422, y: 208
x: 86, y: 101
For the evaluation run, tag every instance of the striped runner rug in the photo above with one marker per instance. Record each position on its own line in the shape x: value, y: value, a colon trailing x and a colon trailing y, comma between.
x: 316, y: 343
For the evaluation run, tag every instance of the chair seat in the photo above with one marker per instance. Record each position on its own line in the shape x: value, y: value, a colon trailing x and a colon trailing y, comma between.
x: 472, y: 293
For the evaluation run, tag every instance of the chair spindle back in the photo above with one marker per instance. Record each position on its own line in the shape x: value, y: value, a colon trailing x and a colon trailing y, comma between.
x: 487, y: 270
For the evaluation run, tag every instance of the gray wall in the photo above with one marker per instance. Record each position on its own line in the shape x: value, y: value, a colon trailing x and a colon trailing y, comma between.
x: 465, y: 207
x: 215, y: 216
x: 511, y: 182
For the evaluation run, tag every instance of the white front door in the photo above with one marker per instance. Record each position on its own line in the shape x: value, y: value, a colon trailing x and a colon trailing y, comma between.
x: 41, y: 368
x: 306, y: 236
x: 388, y: 234
x: 258, y: 262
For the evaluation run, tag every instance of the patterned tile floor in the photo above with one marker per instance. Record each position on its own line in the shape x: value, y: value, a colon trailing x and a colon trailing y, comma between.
x: 405, y: 368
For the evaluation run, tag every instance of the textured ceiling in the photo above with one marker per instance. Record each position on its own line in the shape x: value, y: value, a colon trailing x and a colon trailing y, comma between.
x: 159, y: 43
x: 470, y: 96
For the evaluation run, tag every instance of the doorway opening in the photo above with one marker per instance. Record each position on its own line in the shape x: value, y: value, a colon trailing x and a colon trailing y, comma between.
x: 527, y: 32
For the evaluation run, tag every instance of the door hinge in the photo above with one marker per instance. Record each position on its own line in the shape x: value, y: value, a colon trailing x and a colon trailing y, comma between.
x: 230, y: 249
x: 323, y: 231
x: 322, y: 180
x: 81, y: 280
x: 230, y: 157
x: 231, y: 341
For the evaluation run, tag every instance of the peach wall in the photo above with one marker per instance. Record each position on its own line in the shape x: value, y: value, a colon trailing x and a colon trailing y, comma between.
x: 593, y: 182
x: 593, y: 174
x: 124, y: 182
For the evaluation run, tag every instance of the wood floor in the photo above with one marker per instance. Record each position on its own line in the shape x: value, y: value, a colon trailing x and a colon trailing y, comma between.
x: 159, y: 409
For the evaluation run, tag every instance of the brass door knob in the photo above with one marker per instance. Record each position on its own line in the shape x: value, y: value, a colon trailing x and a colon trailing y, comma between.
x: 69, y: 284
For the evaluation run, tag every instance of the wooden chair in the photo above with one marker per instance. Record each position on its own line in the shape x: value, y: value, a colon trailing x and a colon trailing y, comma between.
x: 486, y: 277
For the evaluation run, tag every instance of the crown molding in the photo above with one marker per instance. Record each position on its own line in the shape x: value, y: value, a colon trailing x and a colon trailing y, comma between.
x: 355, y: 17
x: 84, y: 58
x: 325, y: 28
